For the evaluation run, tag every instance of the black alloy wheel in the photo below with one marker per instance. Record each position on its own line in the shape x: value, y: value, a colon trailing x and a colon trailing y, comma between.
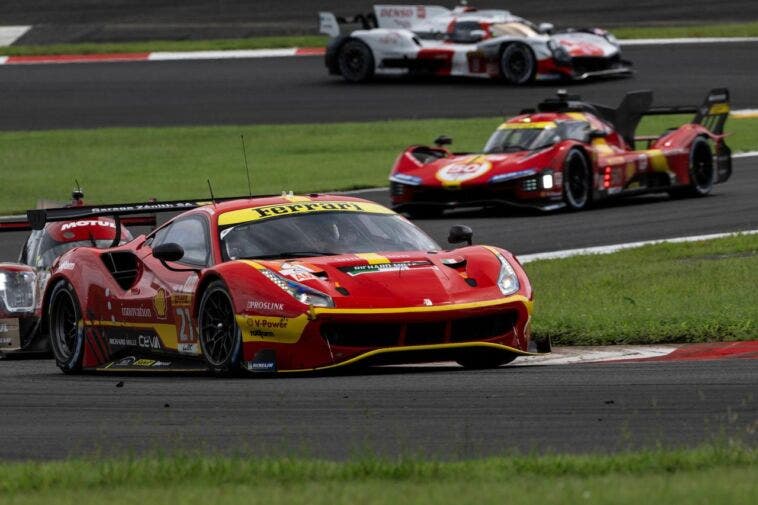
x: 577, y: 181
x: 356, y: 62
x: 517, y: 63
x: 66, y: 329
x: 220, y: 337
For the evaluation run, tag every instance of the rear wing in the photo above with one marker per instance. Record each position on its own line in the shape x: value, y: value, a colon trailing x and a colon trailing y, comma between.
x: 329, y: 24
x: 37, y: 218
x: 22, y: 223
x: 712, y: 114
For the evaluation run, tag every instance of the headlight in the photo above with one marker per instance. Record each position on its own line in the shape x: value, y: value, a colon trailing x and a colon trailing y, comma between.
x: 299, y: 292
x: 411, y: 180
x: 17, y: 291
x: 559, y: 52
x: 611, y: 38
x: 507, y: 281
x: 547, y: 180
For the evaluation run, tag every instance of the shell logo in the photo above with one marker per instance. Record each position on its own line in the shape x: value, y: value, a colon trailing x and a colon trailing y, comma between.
x: 457, y: 173
x: 160, y: 303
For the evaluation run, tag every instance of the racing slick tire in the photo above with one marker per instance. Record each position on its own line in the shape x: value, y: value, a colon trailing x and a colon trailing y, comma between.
x: 220, y: 337
x: 702, y: 171
x: 355, y: 61
x: 66, y: 328
x: 480, y: 359
x: 517, y: 63
x: 577, y: 180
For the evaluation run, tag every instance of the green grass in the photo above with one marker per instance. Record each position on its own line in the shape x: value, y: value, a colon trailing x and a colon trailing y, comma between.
x: 689, y: 292
x: 629, y: 32
x: 710, y: 474
x: 135, y: 164
x: 713, y: 30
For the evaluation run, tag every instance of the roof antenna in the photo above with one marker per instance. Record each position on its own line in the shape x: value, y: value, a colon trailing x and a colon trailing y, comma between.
x: 247, y: 169
x: 77, y: 195
x: 210, y: 188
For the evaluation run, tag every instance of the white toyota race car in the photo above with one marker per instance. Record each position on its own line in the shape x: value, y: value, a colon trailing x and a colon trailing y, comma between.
x: 464, y: 41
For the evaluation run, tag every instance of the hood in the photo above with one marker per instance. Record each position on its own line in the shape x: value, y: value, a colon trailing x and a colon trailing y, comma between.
x: 398, y: 279
x: 584, y: 44
x: 472, y: 170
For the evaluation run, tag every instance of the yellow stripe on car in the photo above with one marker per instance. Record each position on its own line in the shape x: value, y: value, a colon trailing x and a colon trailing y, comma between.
x: 288, y: 209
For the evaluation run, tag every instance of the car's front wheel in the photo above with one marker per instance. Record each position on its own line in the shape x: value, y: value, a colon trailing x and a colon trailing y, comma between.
x: 355, y: 61
x: 702, y: 171
x: 66, y: 328
x: 517, y: 63
x: 577, y: 180
x: 220, y: 337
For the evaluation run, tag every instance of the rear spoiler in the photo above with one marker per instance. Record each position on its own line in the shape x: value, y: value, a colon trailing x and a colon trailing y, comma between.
x: 39, y: 217
x: 22, y: 223
x: 712, y: 114
x: 329, y: 24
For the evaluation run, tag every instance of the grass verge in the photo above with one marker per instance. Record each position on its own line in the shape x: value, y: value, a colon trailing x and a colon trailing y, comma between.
x: 711, y: 474
x: 688, y: 292
x: 135, y: 164
x: 629, y: 32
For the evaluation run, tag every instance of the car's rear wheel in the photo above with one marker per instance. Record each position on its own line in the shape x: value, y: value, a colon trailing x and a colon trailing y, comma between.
x: 66, y: 328
x: 220, y: 337
x: 577, y: 180
x: 479, y: 359
x: 355, y: 61
x: 517, y: 63
x: 702, y: 172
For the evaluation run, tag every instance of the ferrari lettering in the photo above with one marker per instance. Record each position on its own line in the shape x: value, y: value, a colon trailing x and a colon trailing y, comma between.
x: 295, y: 208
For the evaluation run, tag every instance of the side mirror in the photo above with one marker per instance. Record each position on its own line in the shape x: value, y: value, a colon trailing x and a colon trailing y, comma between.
x: 545, y: 27
x: 443, y: 140
x: 168, y: 252
x: 596, y: 134
x: 460, y: 233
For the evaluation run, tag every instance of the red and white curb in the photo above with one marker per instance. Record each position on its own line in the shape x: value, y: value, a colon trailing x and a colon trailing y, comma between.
x: 162, y: 56
x: 644, y: 353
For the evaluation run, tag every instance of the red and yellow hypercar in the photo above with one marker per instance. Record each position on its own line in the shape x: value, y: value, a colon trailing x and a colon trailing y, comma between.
x: 284, y: 284
x: 569, y: 153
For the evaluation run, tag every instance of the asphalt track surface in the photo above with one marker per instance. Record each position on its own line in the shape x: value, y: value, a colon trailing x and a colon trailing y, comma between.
x: 445, y: 412
x: 119, y: 20
x: 298, y: 90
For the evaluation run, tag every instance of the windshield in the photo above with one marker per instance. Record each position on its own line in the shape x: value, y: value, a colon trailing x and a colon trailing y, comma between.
x: 506, y: 140
x: 513, y: 29
x: 322, y: 234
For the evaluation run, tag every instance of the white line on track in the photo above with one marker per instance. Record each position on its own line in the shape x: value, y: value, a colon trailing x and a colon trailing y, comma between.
x: 686, y: 40
x: 608, y: 249
x: 10, y: 34
x: 215, y: 55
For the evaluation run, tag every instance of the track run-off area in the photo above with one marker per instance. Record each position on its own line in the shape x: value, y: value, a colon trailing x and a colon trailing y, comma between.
x: 439, y: 410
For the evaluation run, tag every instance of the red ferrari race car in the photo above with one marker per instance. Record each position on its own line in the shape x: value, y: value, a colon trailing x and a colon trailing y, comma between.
x: 283, y: 284
x: 569, y: 153
x: 22, y: 327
